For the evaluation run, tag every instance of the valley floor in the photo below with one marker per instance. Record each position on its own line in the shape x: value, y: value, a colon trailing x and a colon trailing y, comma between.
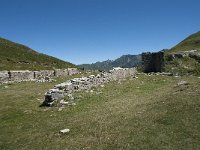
x: 150, y: 112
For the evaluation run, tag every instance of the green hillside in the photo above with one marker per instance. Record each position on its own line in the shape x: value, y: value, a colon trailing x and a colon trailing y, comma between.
x: 14, y: 56
x: 181, y: 60
x: 190, y: 43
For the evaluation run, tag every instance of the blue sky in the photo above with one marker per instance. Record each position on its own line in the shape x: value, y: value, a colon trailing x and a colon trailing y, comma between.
x: 86, y: 31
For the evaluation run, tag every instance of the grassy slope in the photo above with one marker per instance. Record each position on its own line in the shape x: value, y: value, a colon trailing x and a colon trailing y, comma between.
x: 146, y: 113
x: 14, y: 56
x: 190, y: 43
x: 187, y: 65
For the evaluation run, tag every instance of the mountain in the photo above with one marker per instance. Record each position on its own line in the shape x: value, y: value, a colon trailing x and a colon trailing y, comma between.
x: 14, y: 56
x: 190, y: 43
x: 125, y: 61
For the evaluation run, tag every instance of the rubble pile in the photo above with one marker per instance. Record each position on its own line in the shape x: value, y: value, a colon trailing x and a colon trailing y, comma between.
x: 85, y: 83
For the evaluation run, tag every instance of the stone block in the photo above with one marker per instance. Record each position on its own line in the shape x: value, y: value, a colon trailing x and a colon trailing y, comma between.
x: 4, y: 76
x: 61, y: 72
x: 72, y: 71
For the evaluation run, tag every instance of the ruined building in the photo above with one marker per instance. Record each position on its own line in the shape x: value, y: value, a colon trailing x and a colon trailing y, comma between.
x: 153, y: 62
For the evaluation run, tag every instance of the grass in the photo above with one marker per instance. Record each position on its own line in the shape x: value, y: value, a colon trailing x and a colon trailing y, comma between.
x: 14, y: 56
x: 150, y: 112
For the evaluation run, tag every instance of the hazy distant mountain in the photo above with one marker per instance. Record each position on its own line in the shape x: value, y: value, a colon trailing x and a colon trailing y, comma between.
x: 125, y: 61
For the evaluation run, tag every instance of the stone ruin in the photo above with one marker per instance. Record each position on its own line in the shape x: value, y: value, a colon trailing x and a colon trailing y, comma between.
x: 85, y: 83
x: 153, y: 62
x: 42, y: 75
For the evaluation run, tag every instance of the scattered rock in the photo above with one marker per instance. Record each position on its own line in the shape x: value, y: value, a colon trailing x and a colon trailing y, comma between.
x: 182, y: 83
x: 64, y: 131
x: 102, y: 85
x: 60, y: 109
x: 99, y: 93
x: 63, y: 102
x: 73, y: 104
x: 119, y: 82
x: 46, y: 109
x: 80, y: 96
x: 70, y: 96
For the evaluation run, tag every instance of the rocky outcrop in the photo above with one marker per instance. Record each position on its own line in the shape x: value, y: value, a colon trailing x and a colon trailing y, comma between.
x: 195, y: 54
x: 85, y: 83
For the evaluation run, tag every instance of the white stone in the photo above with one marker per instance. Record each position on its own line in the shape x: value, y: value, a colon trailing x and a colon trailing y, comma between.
x: 64, y: 131
x: 63, y: 102
x: 73, y: 104
x: 102, y: 85
x: 182, y: 83
x: 54, y: 90
x: 60, y: 109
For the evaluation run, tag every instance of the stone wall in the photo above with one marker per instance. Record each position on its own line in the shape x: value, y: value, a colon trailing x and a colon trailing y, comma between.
x: 61, y: 72
x: 21, y: 75
x: 72, y: 71
x: 44, y: 73
x: 122, y: 73
x: 85, y: 83
x: 26, y: 75
x: 153, y: 62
